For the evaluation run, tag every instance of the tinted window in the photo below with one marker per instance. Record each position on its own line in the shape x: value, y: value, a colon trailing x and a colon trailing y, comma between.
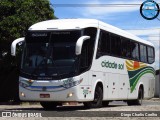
x: 134, y: 51
x: 150, y: 51
x: 143, y: 53
x: 125, y: 47
x: 104, y: 42
x: 88, y: 49
x: 37, y: 37
x: 115, y: 45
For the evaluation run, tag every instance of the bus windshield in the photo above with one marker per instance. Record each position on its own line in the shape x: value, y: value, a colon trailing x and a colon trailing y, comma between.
x: 50, y: 54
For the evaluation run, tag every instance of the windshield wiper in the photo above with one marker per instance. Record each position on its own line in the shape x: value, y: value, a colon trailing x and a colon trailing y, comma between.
x: 30, y: 74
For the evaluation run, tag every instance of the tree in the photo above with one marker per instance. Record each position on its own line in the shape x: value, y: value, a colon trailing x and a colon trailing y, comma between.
x: 15, y: 18
x: 18, y: 15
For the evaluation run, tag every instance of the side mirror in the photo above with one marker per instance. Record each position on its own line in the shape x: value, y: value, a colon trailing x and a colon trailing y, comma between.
x: 79, y: 44
x: 13, y: 46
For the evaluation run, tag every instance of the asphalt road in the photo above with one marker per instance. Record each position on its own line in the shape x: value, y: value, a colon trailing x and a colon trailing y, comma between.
x: 115, y: 109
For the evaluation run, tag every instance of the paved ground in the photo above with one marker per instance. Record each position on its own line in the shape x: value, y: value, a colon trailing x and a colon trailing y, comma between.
x: 116, y: 109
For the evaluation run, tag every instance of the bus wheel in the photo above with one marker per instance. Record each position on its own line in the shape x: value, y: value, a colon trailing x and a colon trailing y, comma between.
x: 97, y: 102
x: 139, y: 100
x: 140, y: 96
x: 105, y: 103
x: 49, y: 105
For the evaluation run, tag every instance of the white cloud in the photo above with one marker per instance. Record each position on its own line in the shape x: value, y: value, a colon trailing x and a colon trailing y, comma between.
x: 155, y: 39
x: 152, y: 34
x: 149, y: 31
x: 107, y: 10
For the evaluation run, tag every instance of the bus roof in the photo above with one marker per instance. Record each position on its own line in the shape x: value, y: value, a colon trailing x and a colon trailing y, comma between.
x: 66, y: 24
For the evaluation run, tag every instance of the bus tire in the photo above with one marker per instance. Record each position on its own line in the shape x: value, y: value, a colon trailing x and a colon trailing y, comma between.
x: 98, y: 97
x: 105, y: 103
x: 139, y: 100
x: 49, y: 105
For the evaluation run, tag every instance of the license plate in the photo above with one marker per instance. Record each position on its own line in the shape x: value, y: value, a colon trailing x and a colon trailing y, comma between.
x: 44, y: 95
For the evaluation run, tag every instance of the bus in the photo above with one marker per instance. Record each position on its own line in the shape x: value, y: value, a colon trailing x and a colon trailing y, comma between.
x: 85, y: 61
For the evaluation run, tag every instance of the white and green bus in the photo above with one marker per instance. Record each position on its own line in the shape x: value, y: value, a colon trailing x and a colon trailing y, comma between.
x: 84, y: 60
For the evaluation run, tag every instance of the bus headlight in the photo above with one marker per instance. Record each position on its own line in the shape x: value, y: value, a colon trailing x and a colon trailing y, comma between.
x: 68, y: 84
x: 22, y: 94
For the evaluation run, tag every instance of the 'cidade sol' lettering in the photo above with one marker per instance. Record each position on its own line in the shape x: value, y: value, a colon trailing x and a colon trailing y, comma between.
x: 112, y: 65
x: 108, y: 64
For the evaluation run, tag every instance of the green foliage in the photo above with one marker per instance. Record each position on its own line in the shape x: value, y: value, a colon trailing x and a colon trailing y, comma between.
x: 18, y: 15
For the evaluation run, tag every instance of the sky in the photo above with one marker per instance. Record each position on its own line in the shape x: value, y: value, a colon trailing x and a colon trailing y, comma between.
x: 125, y: 17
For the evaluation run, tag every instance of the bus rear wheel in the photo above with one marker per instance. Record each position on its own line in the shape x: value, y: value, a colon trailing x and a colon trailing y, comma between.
x: 139, y: 100
x: 97, y: 102
x: 49, y: 105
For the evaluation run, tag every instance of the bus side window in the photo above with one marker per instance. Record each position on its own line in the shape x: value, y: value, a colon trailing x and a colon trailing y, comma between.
x: 88, y: 49
x: 103, y: 44
x: 151, y: 55
x: 115, y: 45
x: 84, y: 57
x: 125, y: 47
x: 143, y: 53
x: 134, y: 51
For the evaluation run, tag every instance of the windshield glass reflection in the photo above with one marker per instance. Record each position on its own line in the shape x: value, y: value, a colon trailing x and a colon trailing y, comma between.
x: 50, y: 54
